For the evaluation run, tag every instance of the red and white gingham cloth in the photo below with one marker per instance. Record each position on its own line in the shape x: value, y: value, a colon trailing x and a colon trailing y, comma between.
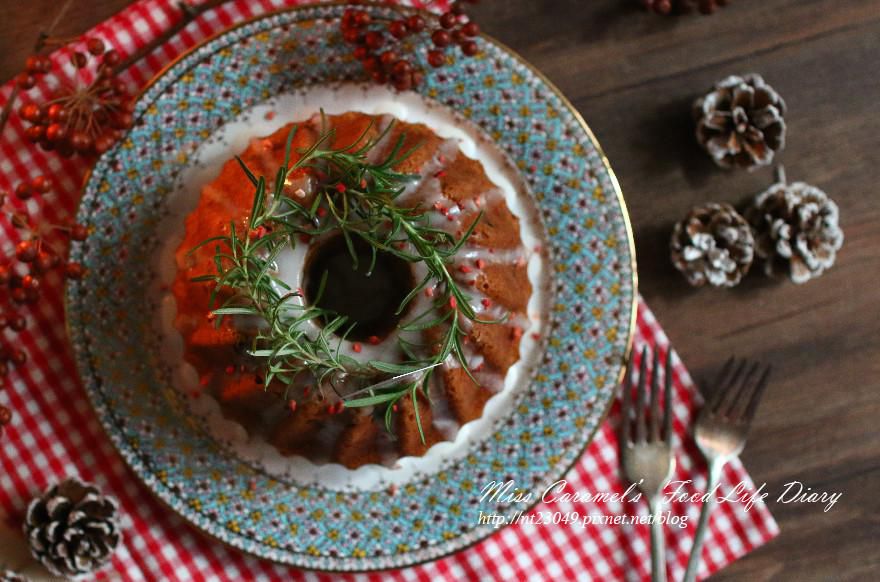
x: 55, y: 433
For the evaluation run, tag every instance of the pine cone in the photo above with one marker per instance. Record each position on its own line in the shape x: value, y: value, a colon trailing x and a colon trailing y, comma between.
x: 72, y: 529
x: 10, y: 576
x: 796, y: 230
x: 714, y: 245
x: 741, y: 122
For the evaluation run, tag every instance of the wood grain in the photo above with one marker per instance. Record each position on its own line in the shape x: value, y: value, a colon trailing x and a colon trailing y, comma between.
x: 633, y: 76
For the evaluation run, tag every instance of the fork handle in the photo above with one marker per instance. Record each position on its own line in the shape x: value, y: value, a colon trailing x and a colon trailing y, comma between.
x: 715, y: 467
x: 658, y: 547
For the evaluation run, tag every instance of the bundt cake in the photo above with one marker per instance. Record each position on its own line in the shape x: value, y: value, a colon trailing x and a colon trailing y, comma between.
x: 302, y: 416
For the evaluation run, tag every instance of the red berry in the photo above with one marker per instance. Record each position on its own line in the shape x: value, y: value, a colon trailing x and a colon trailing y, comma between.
x: 56, y: 132
x: 56, y: 112
x: 41, y: 184
x: 415, y: 23
x: 398, y: 29
x: 30, y: 282
x: 361, y: 52
x: 292, y: 405
x: 24, y: 191
x: 112, y: 58
x: 74, y: 270
x: 35, y: 133
x: 30, y: 112
x: 401, y: 68
x: 457, y: 8
x: 5, y: 415
x: 471, y: 29
x: 448, y: 20
x: 79, y: 60
x: 374, y: 40
x: 119, y: 87
x: 441, y: 38
x: 470, y: 48
x: 436, y: 58
x: 95, y: 46
x: 388, y: 58
x: 26, y: 251
x: 361, y: 18
x: 26, y: 81
x: 33, y: 64
x: 81, y: 141
x: 104, y: 142
x: 122, y: 120
x: 19, y: 357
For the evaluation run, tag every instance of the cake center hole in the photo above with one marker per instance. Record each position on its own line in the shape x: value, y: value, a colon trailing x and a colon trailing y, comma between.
x: 368, y: 299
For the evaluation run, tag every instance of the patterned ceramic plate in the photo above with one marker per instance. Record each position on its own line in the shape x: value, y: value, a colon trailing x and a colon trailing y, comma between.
x: 316, y: 519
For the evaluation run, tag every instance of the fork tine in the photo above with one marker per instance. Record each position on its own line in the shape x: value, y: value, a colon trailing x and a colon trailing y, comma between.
x: 730, y: 390
x: 721, y: 383
x: 667, y: 398
x: 757, y: 394
x: 640, y: 399
x: 741, y: 397
x: 626, y: 402
x: 655, y: 397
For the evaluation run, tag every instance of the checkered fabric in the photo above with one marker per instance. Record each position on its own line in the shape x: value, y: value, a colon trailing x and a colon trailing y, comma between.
x: 55, y: 433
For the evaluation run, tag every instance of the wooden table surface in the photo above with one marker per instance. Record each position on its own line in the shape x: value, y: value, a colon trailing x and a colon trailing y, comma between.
x: 634, y: 76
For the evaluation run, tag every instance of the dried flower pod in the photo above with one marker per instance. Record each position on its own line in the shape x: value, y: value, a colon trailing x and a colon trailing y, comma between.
x: 713, y: 245
x: 796, y: 229
x: 72, y: 529
x: 740, y: 122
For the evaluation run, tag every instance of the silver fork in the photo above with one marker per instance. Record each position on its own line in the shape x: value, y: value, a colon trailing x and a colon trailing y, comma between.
x: 647, y: 457
x: 720, y: 433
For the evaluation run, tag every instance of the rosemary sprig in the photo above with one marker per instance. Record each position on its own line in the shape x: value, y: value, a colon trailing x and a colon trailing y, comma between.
x: 358, y: 198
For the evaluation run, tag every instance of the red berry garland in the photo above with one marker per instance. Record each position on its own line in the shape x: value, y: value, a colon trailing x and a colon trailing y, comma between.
x: 682, y: 6
x: 375, y: 42
x: 81, y: 118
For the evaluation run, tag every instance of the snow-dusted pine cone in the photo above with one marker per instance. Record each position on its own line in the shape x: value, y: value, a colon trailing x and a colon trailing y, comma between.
x: 72, y: 529
x: 713, y: 245
x: 10, y: 576
x: 740, y: 122
x: 796, y: 230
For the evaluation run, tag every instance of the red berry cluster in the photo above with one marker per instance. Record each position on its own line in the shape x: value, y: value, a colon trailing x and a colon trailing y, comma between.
x: 682, y: 6
x: 82, y: 119
x: 375, y: 42
x: 39, y: 249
